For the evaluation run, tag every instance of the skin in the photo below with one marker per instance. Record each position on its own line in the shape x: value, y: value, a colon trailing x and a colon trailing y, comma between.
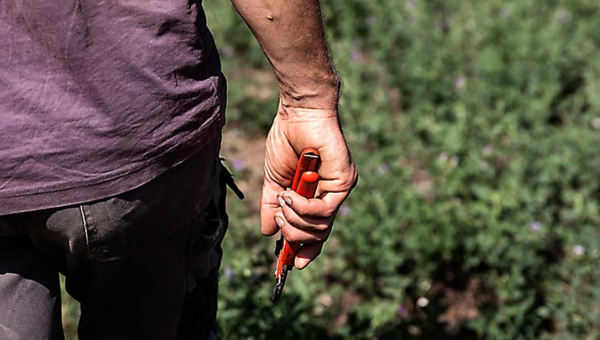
x: 291, y: 34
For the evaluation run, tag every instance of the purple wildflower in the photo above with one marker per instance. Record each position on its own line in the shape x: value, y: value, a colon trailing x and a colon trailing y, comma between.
x: 443, y: 156
x: 403, y: 311
x: 459, y: 82
x: 234, y: 132
x: 487, y: 150
x: 239, y: 165
x: 564, y: 16
x: 345, y: 210
x: 383, y: 168
x: 370, y: 20
x: 535, y: 226
x: 355, y: 55
x: 227, y: 52
x: 578, y: 250
x: 229, y: 274
x: 454, y: 160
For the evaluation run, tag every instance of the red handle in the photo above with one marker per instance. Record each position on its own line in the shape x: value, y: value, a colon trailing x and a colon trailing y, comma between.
x: 308, y: 184
x: 306, y: 187
x: 305, y: 184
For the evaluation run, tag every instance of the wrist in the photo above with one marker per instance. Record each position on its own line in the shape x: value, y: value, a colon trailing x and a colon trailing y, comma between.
x: 322, y: 93
x: 295, y: 114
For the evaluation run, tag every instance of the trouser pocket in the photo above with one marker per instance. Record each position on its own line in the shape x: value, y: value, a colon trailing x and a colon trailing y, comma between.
x: 204, y: 260
x: 209, y: 230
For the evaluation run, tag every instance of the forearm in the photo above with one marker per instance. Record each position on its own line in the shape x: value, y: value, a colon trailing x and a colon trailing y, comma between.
x: 291, y: 34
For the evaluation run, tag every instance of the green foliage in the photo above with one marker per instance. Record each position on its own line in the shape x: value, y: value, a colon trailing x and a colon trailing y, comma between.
x: 474, y: 125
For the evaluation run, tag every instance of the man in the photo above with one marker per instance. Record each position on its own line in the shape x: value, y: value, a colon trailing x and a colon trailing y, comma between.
x: 111, y: 113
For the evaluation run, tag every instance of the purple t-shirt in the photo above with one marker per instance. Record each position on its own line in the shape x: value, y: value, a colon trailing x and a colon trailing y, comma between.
x: 99, y: 97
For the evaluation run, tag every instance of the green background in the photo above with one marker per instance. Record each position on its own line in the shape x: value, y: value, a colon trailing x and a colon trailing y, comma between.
x: 474, y: 126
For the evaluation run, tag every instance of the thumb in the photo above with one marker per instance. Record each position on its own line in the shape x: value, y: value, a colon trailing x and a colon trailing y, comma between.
x: 268, y: 207
x: 307, y: 254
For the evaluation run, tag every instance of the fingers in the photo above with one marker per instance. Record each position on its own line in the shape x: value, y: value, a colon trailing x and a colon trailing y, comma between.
x: 307, y: 254
x: 307, y: 223
x: 312, y: 216
x: 305, y: 220
x: 304, y: 228
x: 269, y: 205
x: 298, y: 235
x: 326, y: 206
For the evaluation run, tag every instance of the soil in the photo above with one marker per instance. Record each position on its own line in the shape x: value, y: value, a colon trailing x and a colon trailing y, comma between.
x: 245, y: 155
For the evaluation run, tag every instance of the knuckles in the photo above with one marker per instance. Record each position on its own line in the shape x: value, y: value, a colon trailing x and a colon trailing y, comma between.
x: 352, y: 179
x: 302, y: 211
x: 296, y: 236
x: 292, y: 236
x: 329, y: 212
x: 300, y: 221
x: 322, y: 227
x: 325, y: 212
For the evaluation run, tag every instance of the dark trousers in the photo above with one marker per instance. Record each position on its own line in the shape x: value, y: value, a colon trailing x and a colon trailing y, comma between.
x: 143, y: 264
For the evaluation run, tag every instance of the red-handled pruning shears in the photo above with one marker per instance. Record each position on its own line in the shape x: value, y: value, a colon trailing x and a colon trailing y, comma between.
x: 305, y: 184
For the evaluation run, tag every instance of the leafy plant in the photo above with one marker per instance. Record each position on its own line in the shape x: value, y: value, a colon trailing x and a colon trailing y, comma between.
x: 474, y: 125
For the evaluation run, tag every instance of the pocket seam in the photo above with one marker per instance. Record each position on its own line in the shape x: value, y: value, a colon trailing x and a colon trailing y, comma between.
x: 85, y: 230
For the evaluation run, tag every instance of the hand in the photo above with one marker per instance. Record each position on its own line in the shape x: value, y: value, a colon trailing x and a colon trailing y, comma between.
x: 301, y: 220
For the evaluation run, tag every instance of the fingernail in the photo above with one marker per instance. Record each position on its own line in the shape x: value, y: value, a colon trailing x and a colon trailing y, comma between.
x: 281, y: 201
x: 279, y: 221
x: 288, y: 200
